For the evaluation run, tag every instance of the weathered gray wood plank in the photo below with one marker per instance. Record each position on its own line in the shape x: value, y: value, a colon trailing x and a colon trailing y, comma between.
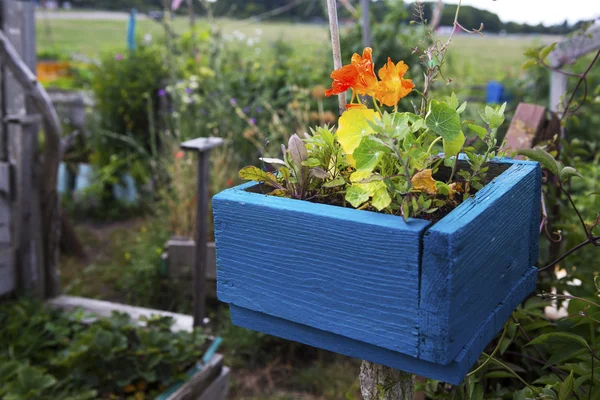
x: 102, y: 308
x: 195, y: 388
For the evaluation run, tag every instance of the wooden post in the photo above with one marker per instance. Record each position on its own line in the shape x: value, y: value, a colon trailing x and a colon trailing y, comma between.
x: 366, y: 21
x: 335, y: 45
x: 202, y: 146
x: 378, y: 382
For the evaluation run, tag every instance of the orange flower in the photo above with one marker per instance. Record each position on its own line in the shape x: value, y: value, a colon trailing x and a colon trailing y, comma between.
x: 343, y: 79
x: 393, y: 86
x: 366, y: 84
x: 358, y: 75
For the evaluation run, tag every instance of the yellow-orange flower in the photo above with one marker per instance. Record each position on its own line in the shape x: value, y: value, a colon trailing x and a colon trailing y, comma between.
x: 393, y: 86
x: 366, y: 82
x: 358, y: 75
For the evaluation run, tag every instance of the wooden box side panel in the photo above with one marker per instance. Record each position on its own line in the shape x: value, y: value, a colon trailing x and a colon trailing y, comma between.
x: 473, y: 257
x: 349, y: 272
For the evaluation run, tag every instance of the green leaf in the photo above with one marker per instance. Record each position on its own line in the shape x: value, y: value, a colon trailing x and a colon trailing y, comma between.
x: 452, y: 148
x: 568, y: 172
x: 547, y: 50
x: 311, y: 162
x: 35, y: 379
x: 335, y: 183
x: 452, y: 101
x: 564, y: 345
x: 541, y: 156
x: 443, y: 120
x: 368, y: 154
x: 357, y: 195
x: 528, y: 64
x: 566, y: 388
x: 462, y: 108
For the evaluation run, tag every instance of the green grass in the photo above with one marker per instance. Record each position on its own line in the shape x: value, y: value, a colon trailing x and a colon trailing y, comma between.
x: 473, y: 59
x: 99, y: 36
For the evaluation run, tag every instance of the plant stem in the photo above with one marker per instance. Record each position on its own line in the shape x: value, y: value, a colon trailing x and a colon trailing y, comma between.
x: 583, y: 79
x: 510, y: 370
x: 493, y: 352
x: 593, y: 240
x: 432, y: 143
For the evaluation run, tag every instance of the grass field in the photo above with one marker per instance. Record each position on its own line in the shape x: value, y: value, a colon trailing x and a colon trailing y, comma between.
x: 474, y: 59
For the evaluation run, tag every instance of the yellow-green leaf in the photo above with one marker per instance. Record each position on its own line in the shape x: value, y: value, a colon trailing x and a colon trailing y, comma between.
x: 353, y: 125
x: 381, y: 197
x: 453, y: 147
x: 357, y: 195
x: 528, y: 64
x: 252, y: 173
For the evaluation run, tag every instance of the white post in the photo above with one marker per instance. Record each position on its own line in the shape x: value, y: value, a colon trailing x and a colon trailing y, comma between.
x: 558, y: 87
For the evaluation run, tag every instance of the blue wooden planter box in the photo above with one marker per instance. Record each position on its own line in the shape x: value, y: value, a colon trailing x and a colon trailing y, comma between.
x: 414, y: 296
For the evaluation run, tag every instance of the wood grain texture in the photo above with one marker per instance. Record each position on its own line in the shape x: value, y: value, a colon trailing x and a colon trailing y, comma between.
x: 473, y: 256
x: 420, y: 298
x: 452, y: 373
x: 353, y: 273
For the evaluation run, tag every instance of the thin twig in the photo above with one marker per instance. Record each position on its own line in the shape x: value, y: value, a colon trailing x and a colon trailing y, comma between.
x: 574, y: 249
x: 583, y: 78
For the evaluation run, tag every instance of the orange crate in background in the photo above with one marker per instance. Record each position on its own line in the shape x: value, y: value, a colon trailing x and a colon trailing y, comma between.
x: 49, y: 71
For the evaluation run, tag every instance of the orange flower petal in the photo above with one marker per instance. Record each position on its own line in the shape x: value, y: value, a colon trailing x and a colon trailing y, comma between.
x: 343, y: 79
x: 356, y: 106
x: 393, y: 86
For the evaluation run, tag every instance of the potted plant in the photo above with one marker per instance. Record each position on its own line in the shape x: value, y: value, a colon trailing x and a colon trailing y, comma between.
x: 390, y: 238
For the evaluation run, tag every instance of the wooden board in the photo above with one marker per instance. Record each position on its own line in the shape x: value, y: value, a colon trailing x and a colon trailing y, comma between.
x: 102, y: 308
x: 181, y: 255
x: 452, y: 373
x: 350, y: 272
x: 344, y: 279
x: 473, y: 256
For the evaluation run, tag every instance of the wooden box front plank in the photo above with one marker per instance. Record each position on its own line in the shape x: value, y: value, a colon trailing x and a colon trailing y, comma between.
x: 349, y: 272
x: 452, y: 373
x: 473, y: 256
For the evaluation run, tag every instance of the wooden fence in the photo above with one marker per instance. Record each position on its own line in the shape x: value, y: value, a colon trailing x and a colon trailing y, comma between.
x: 20, y: 204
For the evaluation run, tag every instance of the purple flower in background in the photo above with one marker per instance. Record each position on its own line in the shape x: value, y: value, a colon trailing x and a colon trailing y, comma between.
x: 233, y: 101
x: 252, y: 121
x: 258, y: 109
x: 188, y: 90
x: 162, y: 92
x: 118, y: 56
x: 246, y: 110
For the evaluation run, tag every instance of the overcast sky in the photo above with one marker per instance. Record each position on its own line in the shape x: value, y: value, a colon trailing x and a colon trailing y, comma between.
x: 533, y: 12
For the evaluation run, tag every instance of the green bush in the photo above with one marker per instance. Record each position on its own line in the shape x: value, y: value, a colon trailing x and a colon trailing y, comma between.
x: 50, y: 354
x: 126, y: 88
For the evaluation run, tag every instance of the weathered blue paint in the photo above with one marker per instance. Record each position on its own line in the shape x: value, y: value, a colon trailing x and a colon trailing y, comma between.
x: 350, y: 272
x: 472, y: 257
x: 425, y: 299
